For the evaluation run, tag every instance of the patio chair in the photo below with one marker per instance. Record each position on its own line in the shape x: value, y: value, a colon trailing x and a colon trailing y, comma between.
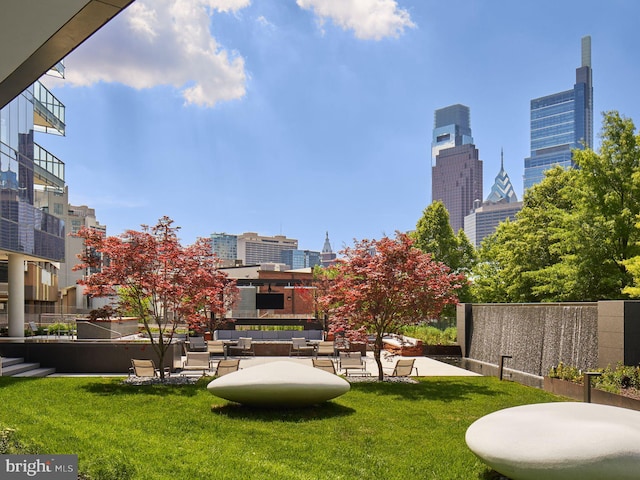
x: 300, y: 346
x: 325, y: 364
x: 197, y: 344
x: 196, y: 361
x: 216, y: 347
x: 352, y: 361
x: 34, y: 329
x: 404, y: 367
x: 146, y: 368
x: 325, y: 348
x: 227, y: 366
x: 243, y: 347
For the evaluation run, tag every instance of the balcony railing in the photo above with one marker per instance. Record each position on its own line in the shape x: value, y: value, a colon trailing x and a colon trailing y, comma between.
x: 48, y: 169
x: 48, y: 111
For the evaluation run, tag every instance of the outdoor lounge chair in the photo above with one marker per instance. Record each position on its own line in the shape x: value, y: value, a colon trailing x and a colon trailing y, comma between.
x: 352, y: 361
x: 216, y: 347
x: 227, y: 366
x: 404, y: 367
x: 243, y: 347
x: 325, y: 348
x: 196, y: 361
x: 197, y: 344
x: 325, y: 364
x: 146, y: 368
x: 300, y: 346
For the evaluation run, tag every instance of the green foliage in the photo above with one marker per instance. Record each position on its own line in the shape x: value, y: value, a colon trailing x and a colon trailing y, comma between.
x: 106, y: 423
x: 576, y: 232
x: 566, y: 372
x: 431, y: 335
x: 612, y: 380
x: 434, y: 235
x: 619, y: 378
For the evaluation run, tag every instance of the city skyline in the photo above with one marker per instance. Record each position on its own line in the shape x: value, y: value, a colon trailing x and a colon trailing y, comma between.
x: 316, y: 118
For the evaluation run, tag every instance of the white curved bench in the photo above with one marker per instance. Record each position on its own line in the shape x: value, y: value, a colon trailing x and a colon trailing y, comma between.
x: 564, y: 440
x: 280, y: 383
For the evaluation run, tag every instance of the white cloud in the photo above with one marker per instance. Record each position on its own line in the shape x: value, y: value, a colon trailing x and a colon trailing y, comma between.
x: 164, y: 42
x: 369, y: 19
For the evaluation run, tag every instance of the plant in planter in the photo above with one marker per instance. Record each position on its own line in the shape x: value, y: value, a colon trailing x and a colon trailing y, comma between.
x: 621, y: 380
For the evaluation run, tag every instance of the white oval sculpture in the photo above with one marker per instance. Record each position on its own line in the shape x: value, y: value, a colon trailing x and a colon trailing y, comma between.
x: 566, y: 440
x: 279, y: 384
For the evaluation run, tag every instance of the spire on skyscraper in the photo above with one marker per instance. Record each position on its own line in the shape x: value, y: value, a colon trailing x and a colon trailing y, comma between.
x: 327, y: 246
x: 327, y: 257
x: 502, y: 189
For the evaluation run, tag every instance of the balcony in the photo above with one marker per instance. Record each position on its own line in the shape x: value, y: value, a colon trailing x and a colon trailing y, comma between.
x: 47, y: 169
x: 48, y: 111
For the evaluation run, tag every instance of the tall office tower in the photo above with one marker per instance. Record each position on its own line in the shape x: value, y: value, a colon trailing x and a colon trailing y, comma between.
x: 560, y: 123
x: 225, y: 247
x: 456, y: 172
x: 501, y: 204
x: 452, y: 127
x: 254, y: 249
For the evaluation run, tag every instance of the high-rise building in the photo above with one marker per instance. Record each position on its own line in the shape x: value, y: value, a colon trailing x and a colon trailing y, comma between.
x: 225, y: 247
x: 501, y: 204
x: 560, y: 123
x: 56, y: 200
x: 30, y: 237
x: 452, y: 128
x: 456, y: 172
x: 29, y: 234
x: 254, y: 249
x: 298, y: 259
x: 327, y: 257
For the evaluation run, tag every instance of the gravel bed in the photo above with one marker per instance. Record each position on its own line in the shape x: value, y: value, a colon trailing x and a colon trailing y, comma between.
x: 174, y: 380
x: 374, y: 379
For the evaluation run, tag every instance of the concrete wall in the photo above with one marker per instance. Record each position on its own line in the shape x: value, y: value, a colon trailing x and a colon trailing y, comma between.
x: 89, y: 357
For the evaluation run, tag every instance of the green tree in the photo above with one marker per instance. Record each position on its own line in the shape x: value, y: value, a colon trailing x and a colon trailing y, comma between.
x: 434, y: 235
x: 609, y: 200
x: 576, y: 231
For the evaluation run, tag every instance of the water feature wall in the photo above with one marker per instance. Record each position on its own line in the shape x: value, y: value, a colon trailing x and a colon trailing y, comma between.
x: 535, y: 336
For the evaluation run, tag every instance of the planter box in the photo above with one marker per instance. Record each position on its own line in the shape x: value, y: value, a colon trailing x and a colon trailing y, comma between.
x: 576, y: 392
x: 107, y: 329
x: 443, y: 351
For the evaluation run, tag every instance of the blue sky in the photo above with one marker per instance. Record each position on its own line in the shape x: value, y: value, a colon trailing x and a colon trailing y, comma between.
x: 300, y: 117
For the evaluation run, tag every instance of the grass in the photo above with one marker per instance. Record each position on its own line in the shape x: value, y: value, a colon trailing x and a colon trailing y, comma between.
x: 377, y: 430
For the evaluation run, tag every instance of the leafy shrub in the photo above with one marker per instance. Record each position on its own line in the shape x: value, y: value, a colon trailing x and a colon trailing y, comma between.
x: 611, y: 379
x: 431, y: 335
x: 566, y: 372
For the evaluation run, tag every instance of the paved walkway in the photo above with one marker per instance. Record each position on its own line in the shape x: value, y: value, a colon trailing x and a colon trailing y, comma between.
x: 427, y: 367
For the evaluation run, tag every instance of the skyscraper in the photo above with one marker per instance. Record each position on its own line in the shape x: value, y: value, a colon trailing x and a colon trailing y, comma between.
x: 456, y: 171
x: 560, y: 123
x: 501, y: 204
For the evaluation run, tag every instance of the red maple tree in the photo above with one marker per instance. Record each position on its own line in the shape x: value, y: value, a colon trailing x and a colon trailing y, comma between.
x: 153, y: 276
x: 381, y: 285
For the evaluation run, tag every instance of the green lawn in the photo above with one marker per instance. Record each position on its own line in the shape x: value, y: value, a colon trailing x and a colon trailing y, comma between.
x: 377, y: 430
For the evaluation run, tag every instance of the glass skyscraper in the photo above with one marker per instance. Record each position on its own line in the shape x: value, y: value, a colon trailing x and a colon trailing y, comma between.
x: 456, y: 172
x: 560, y: 123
